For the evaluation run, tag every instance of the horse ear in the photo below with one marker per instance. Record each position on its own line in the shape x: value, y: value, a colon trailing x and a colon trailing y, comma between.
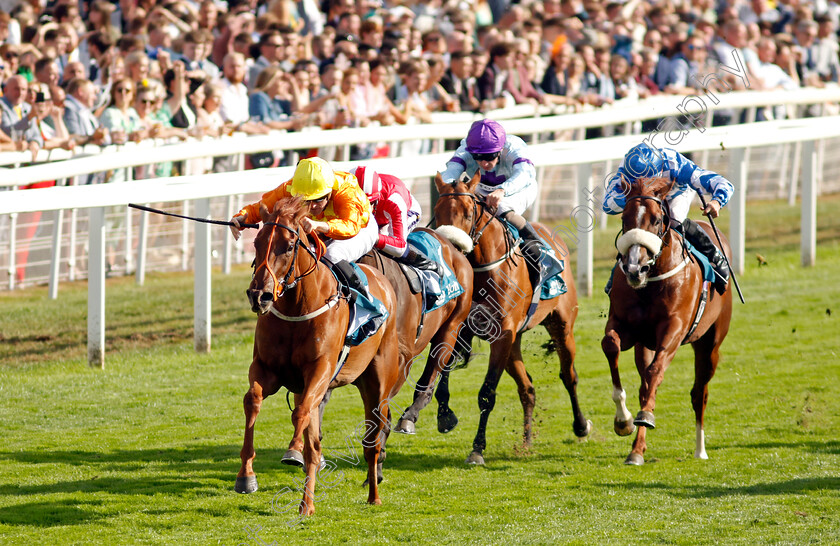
x: 660, y: 186
x: 474, y: 181
x: 300, y: 210
x: 625, y: 186
x: 439, y: 183
x: 264, y: 214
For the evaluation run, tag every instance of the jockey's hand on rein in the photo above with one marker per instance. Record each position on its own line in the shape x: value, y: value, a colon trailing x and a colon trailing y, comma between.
x: 712, y: 209
x: 236, y: 227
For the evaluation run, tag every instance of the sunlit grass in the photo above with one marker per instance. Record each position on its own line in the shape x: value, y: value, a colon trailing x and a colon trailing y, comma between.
x: 146, y: 451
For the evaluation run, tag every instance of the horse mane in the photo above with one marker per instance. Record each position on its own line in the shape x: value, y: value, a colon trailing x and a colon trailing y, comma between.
x: 289, y: 207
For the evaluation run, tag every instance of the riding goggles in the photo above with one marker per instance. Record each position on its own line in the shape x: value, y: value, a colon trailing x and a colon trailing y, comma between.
x: 485, y: 157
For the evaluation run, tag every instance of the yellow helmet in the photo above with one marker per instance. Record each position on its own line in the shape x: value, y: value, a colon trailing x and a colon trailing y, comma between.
x: 313, y: 179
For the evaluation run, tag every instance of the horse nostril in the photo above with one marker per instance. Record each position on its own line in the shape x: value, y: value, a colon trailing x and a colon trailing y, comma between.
x: 266, y: 297
x: 644, y: 270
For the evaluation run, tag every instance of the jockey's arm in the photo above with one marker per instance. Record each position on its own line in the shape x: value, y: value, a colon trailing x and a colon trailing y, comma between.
x: 614, y: 196
x: 252, y: 211
x: 350, y: 212
x: 522, y: 172
x: 703, y: 181
x: 456, y: 166
x: 395, y: 244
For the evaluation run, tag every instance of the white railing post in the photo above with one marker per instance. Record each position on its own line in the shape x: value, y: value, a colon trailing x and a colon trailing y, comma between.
x: 809, y: 203
x: 55, y: 259
x: 794, y: 173
x: 586, y: 236
x: 201, y: 297
x: 737, y: 206
x: 185, y: 236
x: 96, y: 287
x: 142, y: 243
x: 129, y: 231
x: 12, y: 249
x: 227, y: 254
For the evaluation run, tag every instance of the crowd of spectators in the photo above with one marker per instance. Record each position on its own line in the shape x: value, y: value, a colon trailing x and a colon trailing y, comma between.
x: 79, y: 72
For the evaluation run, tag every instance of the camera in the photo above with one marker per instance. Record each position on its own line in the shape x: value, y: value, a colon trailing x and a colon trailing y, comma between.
x: 40, y: 96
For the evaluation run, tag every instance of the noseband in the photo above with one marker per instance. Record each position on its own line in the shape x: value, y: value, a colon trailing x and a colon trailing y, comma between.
x: 643, y: 237
x: 298, y: 244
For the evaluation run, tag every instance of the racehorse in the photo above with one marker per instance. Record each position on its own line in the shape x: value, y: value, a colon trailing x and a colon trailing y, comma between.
x: 655, y: 309
x: 502, y: 295
x: 302, y: 317
x: 440, y: 326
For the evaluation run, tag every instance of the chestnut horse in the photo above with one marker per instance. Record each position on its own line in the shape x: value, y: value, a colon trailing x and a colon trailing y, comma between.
x: 654, y: 301
x: 441, y: 327
x: 299, y: 335
x: 502, y: 293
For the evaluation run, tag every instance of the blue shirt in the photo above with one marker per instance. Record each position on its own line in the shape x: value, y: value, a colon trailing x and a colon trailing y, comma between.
x: 685, y: 174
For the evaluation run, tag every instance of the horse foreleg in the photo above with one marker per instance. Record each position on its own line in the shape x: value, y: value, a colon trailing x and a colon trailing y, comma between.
x: 312, y: 461
x: 623, y: 422
x: 307, y: 407
x: 527, y: 395
x: 706, y: 357
x: 499, y: 353
x: 246, y: 479
x: 560, y: 330
x: 653, y: 373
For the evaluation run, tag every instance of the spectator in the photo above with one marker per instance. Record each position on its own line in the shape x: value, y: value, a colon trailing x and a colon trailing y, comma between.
x: 264, y: 105
x: 772, y: 76
x: 119, y: 117
x: 688, y: 68
x: 272, y: 51
x: 19, y: 119
x: 46, y: 71
x: 195, y: 52
x: 459, y: 82
x: 137, y: 66
x: 827, y: 64
x: 73, y: 69
x: 491, y: 84
x: 78, y: 116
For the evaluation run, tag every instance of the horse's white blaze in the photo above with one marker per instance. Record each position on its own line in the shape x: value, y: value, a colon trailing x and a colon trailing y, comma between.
x: 641, y: 237
x: 621, y: 412
x: 458, y: 237
x: 700, y: 447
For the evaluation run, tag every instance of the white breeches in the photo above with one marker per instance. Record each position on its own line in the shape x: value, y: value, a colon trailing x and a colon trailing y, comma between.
x: 355, y: 247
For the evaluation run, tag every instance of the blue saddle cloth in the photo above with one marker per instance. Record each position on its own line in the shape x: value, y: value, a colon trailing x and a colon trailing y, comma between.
x: 367, y: 315
x: 438, y: 290
x: 551, y: 269
x: 708, y: 271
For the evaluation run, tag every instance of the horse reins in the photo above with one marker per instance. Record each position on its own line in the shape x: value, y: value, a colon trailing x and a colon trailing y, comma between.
x: 476, y: 235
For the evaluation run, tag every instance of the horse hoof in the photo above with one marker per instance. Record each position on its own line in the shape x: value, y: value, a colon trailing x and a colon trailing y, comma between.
x: 406, y: 427
x: 624, y: 428
x: 645, y: 419
x: 447, y: 422
x: 293, y: 458
x: 323, y: 464
x: 246, y: 484
x: 475, y: 458
x: 634, y: 459
x: 586, y: 430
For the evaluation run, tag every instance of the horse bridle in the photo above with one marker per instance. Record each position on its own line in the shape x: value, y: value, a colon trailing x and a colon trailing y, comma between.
x: 298, y: 243
x: 474, y: 235
x: 666, y: 224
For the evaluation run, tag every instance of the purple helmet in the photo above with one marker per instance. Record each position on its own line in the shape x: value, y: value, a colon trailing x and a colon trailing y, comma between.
x: 486, y: 137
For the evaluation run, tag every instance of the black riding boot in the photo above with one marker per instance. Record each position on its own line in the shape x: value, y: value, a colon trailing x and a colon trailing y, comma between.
x: 347, y: 272
x: 609, y: 282
x: 701, y: 240
x: 531, y: 245
x: 418, y: 260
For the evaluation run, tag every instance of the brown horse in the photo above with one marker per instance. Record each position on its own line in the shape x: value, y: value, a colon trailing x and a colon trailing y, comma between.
x: 654, y: 310
x: 502, y: 293
x: 440, y: 327
x: 299, y: 336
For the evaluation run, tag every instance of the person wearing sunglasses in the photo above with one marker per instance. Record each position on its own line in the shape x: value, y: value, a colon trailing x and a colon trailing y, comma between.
x: 508, y: 179
x: 339, y: 213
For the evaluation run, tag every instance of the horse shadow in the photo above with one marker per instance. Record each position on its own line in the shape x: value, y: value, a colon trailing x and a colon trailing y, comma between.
x: 698, y: 491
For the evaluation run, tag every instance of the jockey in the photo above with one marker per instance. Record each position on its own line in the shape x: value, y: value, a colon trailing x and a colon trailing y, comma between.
x: 508, y: 178
x: 643, y: 161
x: 338, y: 211
x: 397, y: 212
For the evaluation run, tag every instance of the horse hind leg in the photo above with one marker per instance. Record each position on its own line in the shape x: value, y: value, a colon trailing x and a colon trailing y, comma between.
x: 706, y: 358
x: 560, y: 330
